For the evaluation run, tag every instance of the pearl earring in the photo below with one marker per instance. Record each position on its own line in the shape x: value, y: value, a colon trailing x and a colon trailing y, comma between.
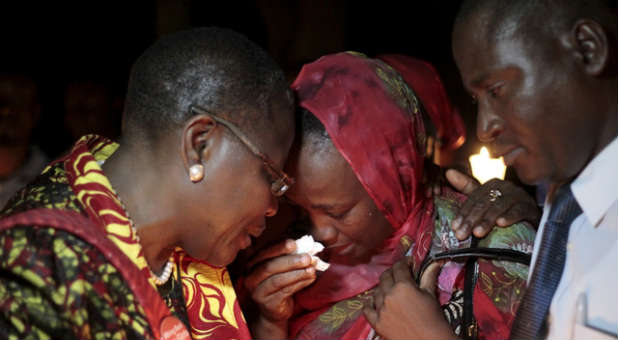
x: 196, y: 172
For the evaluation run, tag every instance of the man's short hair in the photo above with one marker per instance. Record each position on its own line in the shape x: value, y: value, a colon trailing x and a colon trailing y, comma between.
x: 218, y: 69
x: 538, y: 16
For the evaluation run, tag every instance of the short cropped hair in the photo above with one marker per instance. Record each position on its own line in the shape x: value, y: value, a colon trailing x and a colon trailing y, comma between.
x: 538, y: 15
x: 310, y: 130
x: 216, y: 68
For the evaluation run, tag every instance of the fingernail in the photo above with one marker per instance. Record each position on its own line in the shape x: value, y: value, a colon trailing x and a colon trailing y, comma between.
x: 460, y: 234
x: 501, y: 221
x: 310, y: 270
x: 456, y: 223
x: 305, y: 260
x: 478, y: 230
x: 289, y: 244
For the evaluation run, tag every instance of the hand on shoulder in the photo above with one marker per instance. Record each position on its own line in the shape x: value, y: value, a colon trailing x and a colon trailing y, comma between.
x: 495, y: 203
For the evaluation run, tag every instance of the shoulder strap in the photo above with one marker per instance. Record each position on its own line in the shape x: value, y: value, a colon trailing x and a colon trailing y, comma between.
x: 471, y: 255
x: 470, y: 328
x: 70, y: 221
x: 497, y: 254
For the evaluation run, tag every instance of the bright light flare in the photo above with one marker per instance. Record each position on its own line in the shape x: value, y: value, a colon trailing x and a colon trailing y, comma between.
x: 485, y: 168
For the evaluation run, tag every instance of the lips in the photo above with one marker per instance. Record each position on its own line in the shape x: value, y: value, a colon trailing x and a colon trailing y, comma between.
x: 509, y: 155
x: 245, y: 237
x: 341, y: 249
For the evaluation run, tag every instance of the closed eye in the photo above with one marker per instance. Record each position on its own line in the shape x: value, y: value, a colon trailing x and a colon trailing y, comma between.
x: 495, y: 90
x: 337, y: 215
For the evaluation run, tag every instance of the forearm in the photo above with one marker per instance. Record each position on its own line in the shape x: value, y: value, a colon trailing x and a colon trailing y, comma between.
x: 263, y: 328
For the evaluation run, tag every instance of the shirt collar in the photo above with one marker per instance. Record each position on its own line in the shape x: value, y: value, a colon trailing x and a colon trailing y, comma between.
x: 596, y: 188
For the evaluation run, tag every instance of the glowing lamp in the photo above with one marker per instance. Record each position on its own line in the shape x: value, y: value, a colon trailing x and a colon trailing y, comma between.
x: 485, y: 168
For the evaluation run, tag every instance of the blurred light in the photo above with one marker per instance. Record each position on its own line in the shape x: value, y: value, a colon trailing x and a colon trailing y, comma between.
x: 485, y: 168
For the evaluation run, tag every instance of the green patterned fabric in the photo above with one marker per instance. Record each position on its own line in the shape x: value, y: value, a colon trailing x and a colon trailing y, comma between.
x: 501, y: 282
x: 55, y: 285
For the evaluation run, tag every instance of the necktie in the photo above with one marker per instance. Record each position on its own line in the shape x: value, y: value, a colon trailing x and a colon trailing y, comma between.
x: 531, y: 316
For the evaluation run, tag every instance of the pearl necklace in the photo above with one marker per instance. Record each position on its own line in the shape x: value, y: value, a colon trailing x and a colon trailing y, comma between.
x: 167, y: 271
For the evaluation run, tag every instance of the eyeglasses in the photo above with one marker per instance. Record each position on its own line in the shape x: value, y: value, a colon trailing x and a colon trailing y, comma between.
x: 281, y: 182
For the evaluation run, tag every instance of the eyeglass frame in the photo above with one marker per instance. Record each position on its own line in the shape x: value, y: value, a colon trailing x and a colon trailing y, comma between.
x: 282, y: 181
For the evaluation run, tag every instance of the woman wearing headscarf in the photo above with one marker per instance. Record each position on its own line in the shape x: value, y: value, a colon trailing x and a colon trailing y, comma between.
x: 359, y: 167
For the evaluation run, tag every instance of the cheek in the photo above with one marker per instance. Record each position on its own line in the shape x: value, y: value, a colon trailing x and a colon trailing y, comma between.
x: 370, y: 229
x: 221, y: 246
x: 246, y: 199
x: 381, y: 230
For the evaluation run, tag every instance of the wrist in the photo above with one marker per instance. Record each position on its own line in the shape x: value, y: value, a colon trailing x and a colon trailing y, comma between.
x: 265, y: 328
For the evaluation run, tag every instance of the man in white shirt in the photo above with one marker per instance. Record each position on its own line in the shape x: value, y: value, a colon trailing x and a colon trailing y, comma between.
x: 544, y: 76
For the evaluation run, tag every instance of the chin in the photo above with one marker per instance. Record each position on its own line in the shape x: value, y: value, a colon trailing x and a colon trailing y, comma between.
x: 529, y: 179
x: 531, y: 174
x: 221, y: 262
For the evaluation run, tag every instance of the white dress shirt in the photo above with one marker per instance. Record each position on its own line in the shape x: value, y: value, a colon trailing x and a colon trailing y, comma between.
x: 585, y: 304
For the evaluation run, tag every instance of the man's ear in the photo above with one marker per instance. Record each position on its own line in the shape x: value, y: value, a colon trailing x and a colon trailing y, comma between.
x: 590, y: 46
x: 196, y: 137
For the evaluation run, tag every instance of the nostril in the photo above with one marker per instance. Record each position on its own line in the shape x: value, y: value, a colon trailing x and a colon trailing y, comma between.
x: 487, y: 133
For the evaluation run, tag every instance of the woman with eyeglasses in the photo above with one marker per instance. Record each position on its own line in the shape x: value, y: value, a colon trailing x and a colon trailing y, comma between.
x: 359, y: 165
x: 130, y: 240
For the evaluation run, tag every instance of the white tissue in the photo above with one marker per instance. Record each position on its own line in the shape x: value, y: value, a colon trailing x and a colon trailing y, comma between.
x: 306, y: 244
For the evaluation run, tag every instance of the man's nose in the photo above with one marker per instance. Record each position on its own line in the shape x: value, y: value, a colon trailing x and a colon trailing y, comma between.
x: 488, y: 125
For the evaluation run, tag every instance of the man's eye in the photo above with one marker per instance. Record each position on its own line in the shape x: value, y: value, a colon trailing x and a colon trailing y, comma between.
x: 337, y: 215
x: 494, y: 91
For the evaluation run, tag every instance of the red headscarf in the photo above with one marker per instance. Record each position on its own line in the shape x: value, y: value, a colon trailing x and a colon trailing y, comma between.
x: 374, y: 120
x: 425, y: 81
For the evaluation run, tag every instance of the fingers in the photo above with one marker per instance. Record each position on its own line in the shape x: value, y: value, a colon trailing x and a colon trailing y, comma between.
x: 281, y: 248
x: 286, y: 284
x: 462, y: 182
x: 484, y: 221
x: 479, y: 214
x: 401, y: 272
x: 386, y: 284
x: 429, y: 280
x: 371, y: 315
x: 282, y: 264
x: 519, y: 212
x: 471, y: 213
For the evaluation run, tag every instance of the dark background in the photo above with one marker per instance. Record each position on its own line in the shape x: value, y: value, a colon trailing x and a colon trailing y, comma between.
x: 60, y: 42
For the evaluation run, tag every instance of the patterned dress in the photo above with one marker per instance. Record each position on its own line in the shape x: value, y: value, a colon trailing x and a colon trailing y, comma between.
x: 71, y: 267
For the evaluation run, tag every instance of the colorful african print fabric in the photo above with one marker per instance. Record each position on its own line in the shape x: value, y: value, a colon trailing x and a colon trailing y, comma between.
x: 72, y: 267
